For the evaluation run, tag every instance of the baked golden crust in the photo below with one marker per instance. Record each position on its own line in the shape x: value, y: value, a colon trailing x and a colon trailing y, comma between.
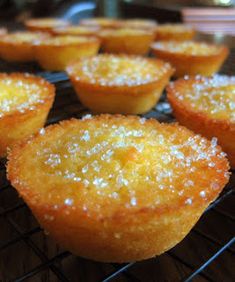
x: 126, y: 40
x: 45, y: 24
x: 76, y: 30
x: 56, y: 52
x: 111, y: 23
x: 25, y: 101
x: 206, y: 106
x: 138, y: 24
x: 100, y: 22
x: 177, y: 32
x: 191, y: 58
x: 18, y: 46
x: 119, y: 83
x: 138, y: 185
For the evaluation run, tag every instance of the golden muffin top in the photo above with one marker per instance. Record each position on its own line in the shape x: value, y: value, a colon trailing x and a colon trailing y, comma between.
x: 214, y: 96
x: 138, y: 23
x: 106, y: 164
x: 63, y: 40
x: 119, y: 70
x: 21, y: 92
x: 187, y: 48
x: 23, y: 37
x: 124, y: 32
x: 76, y: 30
x: 47, y: 22
x: 173, y: 28
x: 100, y: 22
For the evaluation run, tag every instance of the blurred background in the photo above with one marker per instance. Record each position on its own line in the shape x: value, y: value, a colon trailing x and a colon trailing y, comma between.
x: 214, y: 19
x: 209, y: 16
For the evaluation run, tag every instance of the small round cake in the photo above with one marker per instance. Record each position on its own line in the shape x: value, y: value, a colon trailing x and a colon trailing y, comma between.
x: 45, y: 24
x: 119, y: 83
x: 177, y: 32
x: 100, y: 22
x: 138, y: 24
x: 115, y: 188
x: 126, y: 40
x: 18, y: 46
x: 25, y: 101
x: 191, y: 58
x: 76, y: 30
x: 57, y: 52
x: 207, y: 106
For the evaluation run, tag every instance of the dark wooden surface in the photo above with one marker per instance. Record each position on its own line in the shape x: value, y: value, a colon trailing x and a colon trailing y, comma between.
x: 26, y: 252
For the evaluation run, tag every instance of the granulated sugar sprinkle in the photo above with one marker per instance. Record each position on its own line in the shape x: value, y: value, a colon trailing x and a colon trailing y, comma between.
x: 113, y: 160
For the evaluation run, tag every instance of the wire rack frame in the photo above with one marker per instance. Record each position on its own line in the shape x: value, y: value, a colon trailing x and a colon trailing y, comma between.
x: 70, y: 107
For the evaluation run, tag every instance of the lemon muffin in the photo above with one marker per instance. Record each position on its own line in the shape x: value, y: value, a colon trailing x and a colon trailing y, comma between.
x: 25, y: 101
x: 126, y: 41
x: 45, y: 24
x: 18, y: 46
x: 56, y: 52
x: 177, y: 32
x: 138, y: 23
x: 100, y: 22
x: 115, y: 188
x: 191, y: 58
x: 119, y: 83
x: 76, y: 30
x: 3, y: 31
x: 207, y: 106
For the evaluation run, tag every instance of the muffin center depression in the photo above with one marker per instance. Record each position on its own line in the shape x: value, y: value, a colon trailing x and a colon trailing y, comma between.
x: 22, y: 37
x: 187, y: 48
x: 111, y: 70
x: 65, y: 40
x: 133, y: 165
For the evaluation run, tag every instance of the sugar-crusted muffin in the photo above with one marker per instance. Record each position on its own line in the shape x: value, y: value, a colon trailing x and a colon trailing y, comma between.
x: 138, y: 24
x: 117, y: 189
x: 25, y: 101
x: 177, y: 32
x: 100, y: 22
x: 56, y: 52
x: 191, y: 58
x: 207, y: 106
x: 18, y: 46
x: 119, y: 83
x: 126, y: 40
x: 3, y: 31
x: 76, y: 30
x: 45, y: 24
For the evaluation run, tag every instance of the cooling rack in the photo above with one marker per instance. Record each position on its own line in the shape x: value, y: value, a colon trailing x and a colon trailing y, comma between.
x: 27, y: 254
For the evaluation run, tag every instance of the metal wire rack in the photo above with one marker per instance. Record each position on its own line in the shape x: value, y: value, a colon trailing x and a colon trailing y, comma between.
x: 26, y: 254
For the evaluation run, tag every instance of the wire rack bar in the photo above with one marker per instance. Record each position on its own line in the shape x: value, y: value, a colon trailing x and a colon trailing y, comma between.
x: 42, y: 267
x: 210, y: 238
x: 37, y: 251
x: 12, y: 209
x: 118, y: 272
x: 210, y: 260
x: 188, y: 265
x: 225, y: 214
x: 54, y: 77
x: 19, y: 238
